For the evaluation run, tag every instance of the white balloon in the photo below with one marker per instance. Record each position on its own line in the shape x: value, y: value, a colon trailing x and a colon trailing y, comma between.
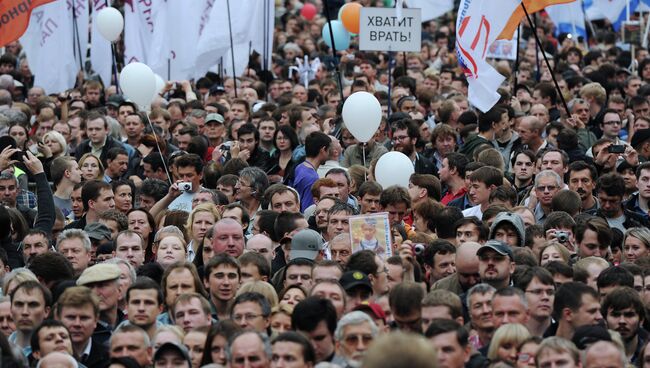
x: 394, y: 168
x: 138, y: 82
x: 362, y: 115
x: 110, y: 23
x: 160, y: 83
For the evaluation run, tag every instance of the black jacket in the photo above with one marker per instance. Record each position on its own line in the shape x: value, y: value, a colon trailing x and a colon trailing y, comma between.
x: 424, y: 165
x: 98, y: 356
x: 84, y: 147
x: 632, y: 219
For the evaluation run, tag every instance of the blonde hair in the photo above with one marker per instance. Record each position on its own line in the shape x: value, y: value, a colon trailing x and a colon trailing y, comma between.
x: 19, y: 275
x: 564, y: 252
x: 176, y: 330
x: 594, y: 90
x: 261, y: 287
x: 203, y: 207
x: 86, y: 156
x: 282, y: 308
x: 168, y: 231
x: 513, y: 333
x: 56, y: 136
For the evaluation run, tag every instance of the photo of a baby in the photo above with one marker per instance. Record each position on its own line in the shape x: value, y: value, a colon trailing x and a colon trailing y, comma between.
x: 371, y: 232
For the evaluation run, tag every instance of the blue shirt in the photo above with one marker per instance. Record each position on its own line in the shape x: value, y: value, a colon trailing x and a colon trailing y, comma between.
x: 305, y: 177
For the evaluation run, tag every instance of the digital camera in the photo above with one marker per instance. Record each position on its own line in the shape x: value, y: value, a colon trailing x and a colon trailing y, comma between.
x: 185, y: 186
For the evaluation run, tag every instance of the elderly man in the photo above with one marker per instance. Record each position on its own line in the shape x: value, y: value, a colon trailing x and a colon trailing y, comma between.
x: 605, y: 354
x: 249, y: 347
x: 354, y: 333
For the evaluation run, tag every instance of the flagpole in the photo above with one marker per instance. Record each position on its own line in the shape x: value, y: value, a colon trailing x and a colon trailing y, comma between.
x: 548, y: 65
x: 232, y: 49
x: 390, y: 72
x: 75, y: 31
x: 514, y: 88
x: 336, y: 64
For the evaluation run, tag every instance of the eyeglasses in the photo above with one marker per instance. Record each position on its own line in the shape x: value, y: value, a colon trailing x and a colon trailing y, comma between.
x: 354, y: 339
x: 400, y: 138
x: 612, y: 122
x: 539, y: 292
x: 525, y: 357
x: 544, y: 188
x: 245, y: 317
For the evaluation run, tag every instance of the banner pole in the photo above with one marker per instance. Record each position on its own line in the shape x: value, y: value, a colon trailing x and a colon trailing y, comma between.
x: 548, y: 65
x: 336, y: 63
x: 232, y: 49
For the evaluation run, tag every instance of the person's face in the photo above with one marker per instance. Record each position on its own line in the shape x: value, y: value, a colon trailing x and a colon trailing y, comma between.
x: 588, y: 314
x: 108, y: 293
x: 550, y: 254
x: 139, y: 223
x: 526, y: 355
x: 611, y: 125
x: 507, y: 234
x: 494, y: 266
x: 170, y: 250
x: 52, y: 339
x: 282, y: 142
x: 333, y: 293
x: 624, y: 321
x: 590, y: 246
x: 7, y: 325
x: 553, y: 161
x: 201, y: 223
x: 479, y: 192
x: 190, y: 314
x: 96, y: 131
x: 555, y: 359
x: 467, y: 233
x: 338, y: 223
x: 402, y: 142
x: 248, y: 315
x: 297, y: 275
x: 610, y: 205
x: 396, y: 212
x: 450, y: 353
x: 123, y: 198
x: 267, y: 130
x: 287, y: 354
x: 130, y: 249
x: 247, y: 142
x: 74, y: 251
x: 118, y: 166
x: 34, y: 245
x: 123, y: 112
x: 8, y: 192
x: 18, y: 133
x: 229, y: 191
x: 143, y: 307
x: 28, y: 309
x: 284, y: 201
x: 173, y: 359
x: 546, y: 189
x: 322, y: 341
x: 105, y: 201
x: 540, y: 298
x: 195, y: 342
x: 507, y: 352
x: 130, y: 344
x: 238, y: 111
x: 223, y: 282
x: 641, y: 110
x: 133, y: 127
x: 480, y: 311
x: 342, y: 184
x: 179, y: 281
x: 581, y: 182
x: 90, y: 169
x: 634, y: 249
x: 80, y: 321
x: 229, y: 239
x: 200, y: 198
x: 443, y: 265
x: 355, y: 341
x: 369, y: 203
x: 508, y: 309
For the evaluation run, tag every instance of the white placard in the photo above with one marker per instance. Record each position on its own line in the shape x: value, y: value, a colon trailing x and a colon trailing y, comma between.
x: 503, y: 49
x: 382, y: 30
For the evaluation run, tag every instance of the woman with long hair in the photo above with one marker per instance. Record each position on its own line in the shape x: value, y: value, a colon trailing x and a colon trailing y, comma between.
x: 202, y: 218
x: 91, y: 167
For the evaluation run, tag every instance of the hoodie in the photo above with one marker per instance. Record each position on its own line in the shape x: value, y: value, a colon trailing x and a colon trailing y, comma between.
x: 513, y: 219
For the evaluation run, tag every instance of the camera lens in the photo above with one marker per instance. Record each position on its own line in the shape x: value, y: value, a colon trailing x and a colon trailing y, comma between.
x: 418, y: 248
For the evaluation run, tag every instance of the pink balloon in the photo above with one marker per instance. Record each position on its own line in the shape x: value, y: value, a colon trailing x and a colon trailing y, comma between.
x: 308, y: 11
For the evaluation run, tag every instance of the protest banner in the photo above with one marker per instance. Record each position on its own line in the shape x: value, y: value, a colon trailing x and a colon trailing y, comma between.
x: 382, y: 30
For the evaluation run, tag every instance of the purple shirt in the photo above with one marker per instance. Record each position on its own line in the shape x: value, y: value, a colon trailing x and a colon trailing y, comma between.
x: 304, y: 178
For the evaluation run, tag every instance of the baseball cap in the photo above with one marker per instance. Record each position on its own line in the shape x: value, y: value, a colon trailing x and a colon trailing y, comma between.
x: 214, y: 117
x: 98, y: 231
x: 306, y: 243
x: 175, y: 347
x: 640, y: 136
x: 497, y: 246
x: 115, y: 100
x: 98, y: 273
x: 352, y: 279
x: 373, y: 309
x: 217, y: 89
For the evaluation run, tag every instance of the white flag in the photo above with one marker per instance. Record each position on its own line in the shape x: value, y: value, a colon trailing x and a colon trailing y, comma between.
x: 174, y: 43
x: 568, y: 18
x: 138, y: 29
x: 48, y: 45
x: 431, y: 9
x: 101, y: 57
x: 477, y: 27
x: 251, y: 21
x: 80, y: 19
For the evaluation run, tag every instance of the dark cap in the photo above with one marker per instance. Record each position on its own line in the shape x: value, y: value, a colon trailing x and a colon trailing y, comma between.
x: 639, y: 137
x: 115, y: 100
x: 497, y: 246
x: 590, y: 334
x: 353, y: 279
x: 98, y: 231
x: 217, y: 89
x: 172, y: 346
x: 624, y: 165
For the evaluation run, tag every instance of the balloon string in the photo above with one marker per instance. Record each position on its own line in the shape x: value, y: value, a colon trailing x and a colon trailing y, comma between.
x: 363, y: 154
x: 169, y: 177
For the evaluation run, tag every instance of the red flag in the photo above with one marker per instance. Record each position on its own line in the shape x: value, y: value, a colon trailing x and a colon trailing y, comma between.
x: 14, y: 18
x: 532, y: 6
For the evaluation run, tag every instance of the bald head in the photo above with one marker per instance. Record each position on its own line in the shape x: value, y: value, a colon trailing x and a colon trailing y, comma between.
x: 467, y: 264
x: 604, y: 354
x: 228, y: 238
x: 57, y: 360
x: 261, y: 244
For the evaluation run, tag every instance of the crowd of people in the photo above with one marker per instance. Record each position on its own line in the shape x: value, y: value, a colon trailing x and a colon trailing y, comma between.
x: 212, y: 228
